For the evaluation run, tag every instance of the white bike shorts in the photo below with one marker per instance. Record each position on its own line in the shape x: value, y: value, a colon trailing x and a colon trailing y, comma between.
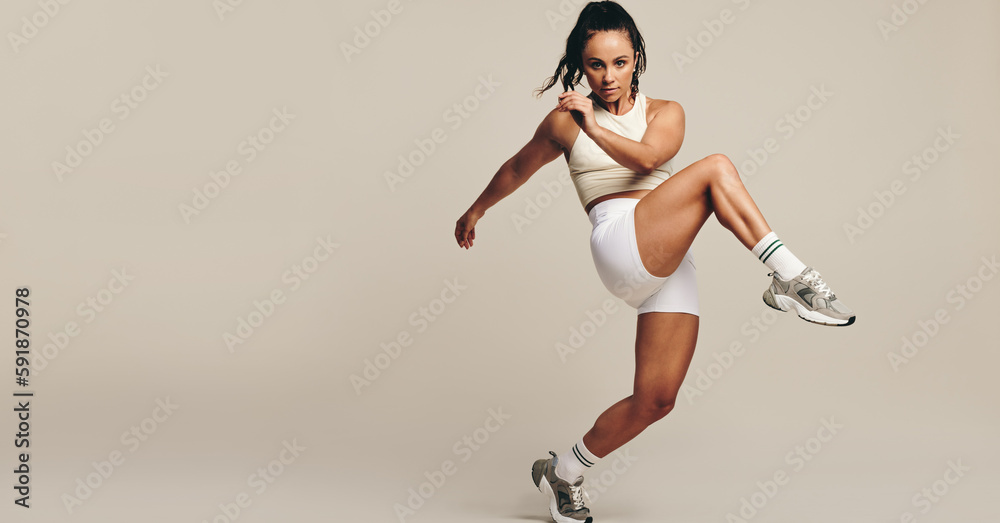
x: 616, y: 257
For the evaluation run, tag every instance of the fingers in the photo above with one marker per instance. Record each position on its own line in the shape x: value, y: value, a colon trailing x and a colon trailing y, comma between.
x: 567, y: 103
x: 469, y: 237
x: 464, y: 239
x: 566, y: 100
x: 573, y: 101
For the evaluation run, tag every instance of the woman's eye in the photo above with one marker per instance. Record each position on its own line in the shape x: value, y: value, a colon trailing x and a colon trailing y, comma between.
x: 622, y: 62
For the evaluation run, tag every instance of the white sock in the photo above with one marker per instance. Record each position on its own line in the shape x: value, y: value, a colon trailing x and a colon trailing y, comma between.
x: 777, y: 257
x: 571, y: 464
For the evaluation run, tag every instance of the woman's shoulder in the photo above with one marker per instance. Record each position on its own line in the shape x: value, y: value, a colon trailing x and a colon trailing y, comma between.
x: 668, y: 108
x: 560, y: 127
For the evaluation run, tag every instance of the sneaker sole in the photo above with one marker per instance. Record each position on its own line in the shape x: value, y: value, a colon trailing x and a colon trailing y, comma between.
x: 784, y: 304
x: 543, y: 486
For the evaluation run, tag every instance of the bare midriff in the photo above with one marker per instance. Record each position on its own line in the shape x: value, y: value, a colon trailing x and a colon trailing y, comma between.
x: 625, y: 194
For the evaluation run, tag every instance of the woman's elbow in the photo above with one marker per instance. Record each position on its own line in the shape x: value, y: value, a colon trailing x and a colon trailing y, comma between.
x: 649, y: 163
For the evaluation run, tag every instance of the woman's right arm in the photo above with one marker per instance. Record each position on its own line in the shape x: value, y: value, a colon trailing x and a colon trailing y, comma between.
x: 540, y: 150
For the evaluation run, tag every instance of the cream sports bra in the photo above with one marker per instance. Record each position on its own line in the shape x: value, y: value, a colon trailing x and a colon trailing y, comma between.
x: 596, y: 174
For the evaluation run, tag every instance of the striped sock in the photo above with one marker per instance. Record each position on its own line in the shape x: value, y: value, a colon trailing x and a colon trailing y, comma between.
x: 777, y: 257
x: 571, y: 464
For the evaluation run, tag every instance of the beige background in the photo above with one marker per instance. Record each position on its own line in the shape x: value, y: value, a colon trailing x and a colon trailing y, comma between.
x: 494, y: 346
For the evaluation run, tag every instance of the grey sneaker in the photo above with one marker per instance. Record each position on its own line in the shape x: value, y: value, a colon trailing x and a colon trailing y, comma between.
x: 811, y: 298
x: 565, y: 498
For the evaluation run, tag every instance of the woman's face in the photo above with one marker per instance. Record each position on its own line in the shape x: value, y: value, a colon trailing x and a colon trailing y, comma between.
x: 608, y: 62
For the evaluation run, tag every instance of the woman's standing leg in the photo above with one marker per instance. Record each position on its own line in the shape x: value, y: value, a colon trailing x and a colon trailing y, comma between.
x: 664, y: 347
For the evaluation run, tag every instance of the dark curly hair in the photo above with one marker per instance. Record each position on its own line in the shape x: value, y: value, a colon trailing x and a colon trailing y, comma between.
x: 596, y: 17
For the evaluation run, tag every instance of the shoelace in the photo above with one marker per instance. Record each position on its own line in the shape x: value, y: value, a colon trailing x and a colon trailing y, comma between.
x: 577, y: 495
x: 813, y: 278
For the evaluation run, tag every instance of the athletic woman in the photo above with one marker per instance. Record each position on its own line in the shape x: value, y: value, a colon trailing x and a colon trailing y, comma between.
x: 618, y: 145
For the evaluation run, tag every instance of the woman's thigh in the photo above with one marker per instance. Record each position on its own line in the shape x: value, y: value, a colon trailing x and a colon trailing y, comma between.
x: 670, y: 216
x: 664, y: 347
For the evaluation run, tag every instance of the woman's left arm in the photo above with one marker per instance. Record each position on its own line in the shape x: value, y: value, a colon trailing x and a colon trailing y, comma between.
x: 661, y: 141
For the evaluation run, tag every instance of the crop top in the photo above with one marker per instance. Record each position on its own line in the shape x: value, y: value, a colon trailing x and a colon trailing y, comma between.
x: 595, y: 173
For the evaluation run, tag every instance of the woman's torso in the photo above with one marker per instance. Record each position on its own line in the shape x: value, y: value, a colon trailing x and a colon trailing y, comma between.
x: 579, y: 149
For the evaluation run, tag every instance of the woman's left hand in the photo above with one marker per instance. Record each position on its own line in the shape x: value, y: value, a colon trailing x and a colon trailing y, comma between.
x: 582, y: 110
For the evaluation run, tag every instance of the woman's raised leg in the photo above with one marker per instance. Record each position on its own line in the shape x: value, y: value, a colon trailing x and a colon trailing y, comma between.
x: 670, y: 216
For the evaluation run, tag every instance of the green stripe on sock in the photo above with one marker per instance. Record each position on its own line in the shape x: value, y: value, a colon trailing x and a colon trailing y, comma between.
x: 776, y: 240
x: 772, y: 252
x: 768, y: 248
x: 579, y: 456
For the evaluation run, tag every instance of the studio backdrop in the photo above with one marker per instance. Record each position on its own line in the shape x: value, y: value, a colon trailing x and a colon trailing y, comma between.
x: 233, y: 292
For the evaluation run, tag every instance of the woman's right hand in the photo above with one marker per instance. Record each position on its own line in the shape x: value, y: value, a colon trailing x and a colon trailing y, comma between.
x: 581, y: 108
x: 465, y: 227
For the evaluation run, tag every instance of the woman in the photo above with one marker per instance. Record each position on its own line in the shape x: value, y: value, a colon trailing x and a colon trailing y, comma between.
x: 618, y: 145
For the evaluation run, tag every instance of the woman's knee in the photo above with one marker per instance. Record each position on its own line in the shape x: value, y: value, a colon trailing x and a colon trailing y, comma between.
x: 722, y: 169
x: 654, y: 408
